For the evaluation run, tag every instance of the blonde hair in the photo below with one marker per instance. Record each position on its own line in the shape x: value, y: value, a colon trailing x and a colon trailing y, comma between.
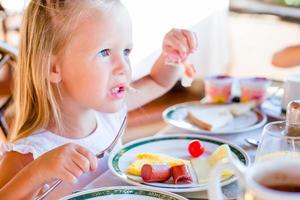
x: 45, y: 32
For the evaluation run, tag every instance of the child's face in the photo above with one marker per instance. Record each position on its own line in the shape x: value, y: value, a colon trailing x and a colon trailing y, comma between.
x: 95, y: 69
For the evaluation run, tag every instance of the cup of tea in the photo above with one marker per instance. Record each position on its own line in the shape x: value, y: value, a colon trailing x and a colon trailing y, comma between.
x: 218, y: 88
x: 254, y: 89
x: 291, y: 90
x: 272, y: 179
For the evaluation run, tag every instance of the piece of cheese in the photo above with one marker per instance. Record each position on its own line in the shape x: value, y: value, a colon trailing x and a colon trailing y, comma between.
x: 203, y: 166
x: 210, y: 118
x: 151, y: 158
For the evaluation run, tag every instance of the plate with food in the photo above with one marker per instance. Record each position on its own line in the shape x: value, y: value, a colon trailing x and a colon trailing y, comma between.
x: 176, y: 163
x: 215, y: 118
x: 124, y: 193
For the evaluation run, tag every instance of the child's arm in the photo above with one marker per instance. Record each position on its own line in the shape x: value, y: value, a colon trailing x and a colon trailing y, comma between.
x: 287, y: 57
x: 177, y: 45
x: 23, y: 184
x: 66, y: 162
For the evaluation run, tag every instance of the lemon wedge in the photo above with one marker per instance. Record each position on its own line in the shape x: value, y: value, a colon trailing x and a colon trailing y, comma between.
x: 220, y: 153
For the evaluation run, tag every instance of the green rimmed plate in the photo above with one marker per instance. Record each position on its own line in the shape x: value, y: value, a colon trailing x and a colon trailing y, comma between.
x: 124, y: 193
x: 173, y: 145
x: 177, y: 116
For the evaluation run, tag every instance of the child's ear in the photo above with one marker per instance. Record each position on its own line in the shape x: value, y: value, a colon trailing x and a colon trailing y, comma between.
x: 55, y: 70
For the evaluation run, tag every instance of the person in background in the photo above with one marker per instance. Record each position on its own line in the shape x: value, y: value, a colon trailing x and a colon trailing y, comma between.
x: 72, y: 92
x: 288, y: 57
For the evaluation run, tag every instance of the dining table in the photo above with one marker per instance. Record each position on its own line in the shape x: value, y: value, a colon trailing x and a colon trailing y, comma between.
x: 230, y: 191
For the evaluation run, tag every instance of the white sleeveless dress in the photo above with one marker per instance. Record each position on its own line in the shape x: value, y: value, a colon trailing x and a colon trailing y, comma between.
x: 39, y: 143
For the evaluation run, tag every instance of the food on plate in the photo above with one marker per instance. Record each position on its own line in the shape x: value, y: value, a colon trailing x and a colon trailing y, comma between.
x: 181, y: 174
x: 154, y: 167
x: 153, y: 159
x: 238, y: 109
x: 220, y: 153
x: 196, y: 148
x: 202, y: 166
x: 210, y: 119
x: 162, y: 173
x: 156, y: 173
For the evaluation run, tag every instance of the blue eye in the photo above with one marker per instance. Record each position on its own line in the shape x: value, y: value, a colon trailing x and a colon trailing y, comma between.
x: 127, y: 52
x: 104, y: 52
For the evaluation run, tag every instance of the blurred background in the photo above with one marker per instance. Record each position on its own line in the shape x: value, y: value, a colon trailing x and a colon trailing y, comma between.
x: 236, y: 37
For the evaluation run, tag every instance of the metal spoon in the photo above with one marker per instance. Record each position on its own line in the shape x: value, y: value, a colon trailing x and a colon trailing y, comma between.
x: 99, y: 155
x: 252, y: 141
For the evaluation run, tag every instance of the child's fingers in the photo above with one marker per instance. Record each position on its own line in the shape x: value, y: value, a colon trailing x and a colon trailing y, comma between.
x: 176, y: 43
x: 74, y: 169
x: 183, y: 40
x: 81, y: 161
x: 68, y: 177
x: 192, y: 41
x: 172, y: 54
x: 87, y: 154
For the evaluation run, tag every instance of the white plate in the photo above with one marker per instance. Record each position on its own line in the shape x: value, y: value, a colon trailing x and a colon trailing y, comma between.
x: 177, y: 116
x: 123, y: 193
x: 173, y: 145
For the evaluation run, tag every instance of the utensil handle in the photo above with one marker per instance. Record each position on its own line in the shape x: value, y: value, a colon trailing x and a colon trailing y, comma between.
x: 57, y: 183
x: 214, y: 185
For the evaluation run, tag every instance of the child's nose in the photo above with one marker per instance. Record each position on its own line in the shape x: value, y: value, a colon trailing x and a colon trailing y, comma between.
x: 121, y: 67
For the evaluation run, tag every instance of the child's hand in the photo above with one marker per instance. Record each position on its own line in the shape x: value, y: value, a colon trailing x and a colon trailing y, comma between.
x: 66, y: 162
x: 178, y: 44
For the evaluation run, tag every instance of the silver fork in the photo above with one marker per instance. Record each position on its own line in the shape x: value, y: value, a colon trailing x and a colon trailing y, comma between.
x: 99, y: 155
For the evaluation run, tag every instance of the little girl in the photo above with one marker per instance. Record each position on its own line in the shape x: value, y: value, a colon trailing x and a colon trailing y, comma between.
x: 71, y: 92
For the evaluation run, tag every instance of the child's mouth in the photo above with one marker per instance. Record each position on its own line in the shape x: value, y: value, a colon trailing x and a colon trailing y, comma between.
x: 118, y: 91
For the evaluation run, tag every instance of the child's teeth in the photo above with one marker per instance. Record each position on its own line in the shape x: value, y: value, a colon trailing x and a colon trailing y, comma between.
x: 115, y: 90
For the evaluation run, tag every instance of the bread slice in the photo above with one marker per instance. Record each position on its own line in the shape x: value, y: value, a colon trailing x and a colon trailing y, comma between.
x: 210, y: 119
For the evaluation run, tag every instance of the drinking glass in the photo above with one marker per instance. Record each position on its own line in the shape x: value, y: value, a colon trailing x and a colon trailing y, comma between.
x: 275, y: 142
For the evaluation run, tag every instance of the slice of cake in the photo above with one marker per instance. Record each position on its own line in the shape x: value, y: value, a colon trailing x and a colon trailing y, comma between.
x: 210, y: 119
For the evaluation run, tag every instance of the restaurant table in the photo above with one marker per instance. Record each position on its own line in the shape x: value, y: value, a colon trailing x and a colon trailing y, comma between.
x: 230, y: 191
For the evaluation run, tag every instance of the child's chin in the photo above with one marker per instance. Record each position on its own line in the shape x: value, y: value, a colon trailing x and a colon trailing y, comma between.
x: 111, y: 108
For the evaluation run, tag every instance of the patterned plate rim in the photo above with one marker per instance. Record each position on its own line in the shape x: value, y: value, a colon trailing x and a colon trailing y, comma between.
x: 116, y: 190
x: 176, y: 123
x: 114, y: 159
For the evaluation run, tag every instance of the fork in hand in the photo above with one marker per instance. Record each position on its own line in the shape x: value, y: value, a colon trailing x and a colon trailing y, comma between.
x: 99, y: 155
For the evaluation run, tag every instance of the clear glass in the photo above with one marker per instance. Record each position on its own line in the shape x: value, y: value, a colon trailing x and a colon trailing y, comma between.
x: 274, y: 142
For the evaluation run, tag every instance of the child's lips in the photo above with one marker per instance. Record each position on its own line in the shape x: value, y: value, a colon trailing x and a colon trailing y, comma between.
x: 118, y: 91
